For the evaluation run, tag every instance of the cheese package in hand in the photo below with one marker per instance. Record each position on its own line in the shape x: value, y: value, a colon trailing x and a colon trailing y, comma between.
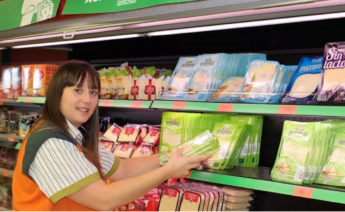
x: 332, y: 88
x: 129, y: 133
x: 124, y: 150
x: 304, y: 84
x: 113, y: 133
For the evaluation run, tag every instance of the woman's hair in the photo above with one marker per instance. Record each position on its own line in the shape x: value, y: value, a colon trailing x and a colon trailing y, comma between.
x: 74, y: 73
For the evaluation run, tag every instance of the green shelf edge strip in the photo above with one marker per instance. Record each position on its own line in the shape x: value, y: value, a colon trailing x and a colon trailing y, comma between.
x: 268, y: 186
x: 37, y: 100
x: 125, y: 103
x: 307, y: 110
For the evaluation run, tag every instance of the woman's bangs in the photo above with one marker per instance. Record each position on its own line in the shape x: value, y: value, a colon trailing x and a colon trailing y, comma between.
x: 90, y: 74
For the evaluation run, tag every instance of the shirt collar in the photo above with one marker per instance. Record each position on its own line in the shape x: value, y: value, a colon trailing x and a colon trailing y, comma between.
x: 77, y: 135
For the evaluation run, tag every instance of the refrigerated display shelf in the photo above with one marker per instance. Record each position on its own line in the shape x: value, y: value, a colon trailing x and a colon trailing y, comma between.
x: 9, y: 138
x: 258, y: 178
x: 34, y: 100
x: 306, y: 110
x: 125, y: 103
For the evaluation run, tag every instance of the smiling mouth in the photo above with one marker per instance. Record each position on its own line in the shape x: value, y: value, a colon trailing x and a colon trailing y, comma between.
x: 85, y: 110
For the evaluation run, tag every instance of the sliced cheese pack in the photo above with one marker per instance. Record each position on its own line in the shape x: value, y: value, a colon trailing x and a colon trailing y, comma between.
x: 172, y: 130
x: 237, y: 192
x: 170, y: 199
x: 259, y: 82
x: 207, y: 73
x: 104, y: 91
x: 228, y: 91
x: 304, y: 84
x: 183, y: 73
x: 228, y: 134
x: 333, y: 171
x: 332, y: 87
x: 294, y: 152
x: 192, y: 201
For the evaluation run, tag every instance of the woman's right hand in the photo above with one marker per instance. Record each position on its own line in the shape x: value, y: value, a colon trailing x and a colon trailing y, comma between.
x: 179, y: 166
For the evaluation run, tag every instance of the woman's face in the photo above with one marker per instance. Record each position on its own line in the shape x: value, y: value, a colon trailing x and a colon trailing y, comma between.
x: 77, y: 104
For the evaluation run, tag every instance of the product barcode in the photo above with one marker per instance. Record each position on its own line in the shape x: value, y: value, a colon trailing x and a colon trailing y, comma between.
x: 299, y: 174
x: 216, y: 164
x: 245, y: 150
x: 322, y: 97
x: 307, y: 173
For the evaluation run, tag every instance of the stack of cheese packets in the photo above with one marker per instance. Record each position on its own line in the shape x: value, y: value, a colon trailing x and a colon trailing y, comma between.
x: 265, y: 81
x: 311, y: 153
x: 132, y: 140
x: 193, y: 196
x: 224, y: 136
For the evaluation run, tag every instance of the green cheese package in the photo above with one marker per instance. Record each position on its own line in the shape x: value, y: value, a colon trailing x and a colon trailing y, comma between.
x: 294, y: 152
x: 333, y: 172
x: 202, y: 144
x: 228, y: 134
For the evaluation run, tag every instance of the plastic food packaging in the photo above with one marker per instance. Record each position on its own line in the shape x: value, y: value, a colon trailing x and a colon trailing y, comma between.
x: 304, y: 84
x: 108, y: 145
x: 129, y: 133
x: 113, y: 133
x: 332, y: 87
x: 124, y: 150
x: 294, y: 153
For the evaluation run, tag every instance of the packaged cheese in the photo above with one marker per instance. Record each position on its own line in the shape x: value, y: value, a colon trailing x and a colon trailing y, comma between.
x: 259, y: 81
x: 293, y: 155
x: 149, y: 90
x: 143, y: 150
x: 170, y: 199
x: 172, y: 130
x: 15, y: 82
x: 137, y: 88
x: 104, y: 91
x: 5, y: 85
x: 236, y: 199
x: 129, y: 133
x: 236, y: 192
x: 111, y: 84
x: 153, y: 136
x: 192, y: 202
x: 27, y: 72
x: 113, y: 133
x: 183, y: 73
x: 304, y: 84
x: 124, y: 150
x: 333, y: 171
x: 143, y: 132
x: 228, y: 91
x: 228, y: 134
x: 41, y: 79
x: 108, y: 145
x: 123, y: 83
x: 332, y: 87
x: 237, y: 206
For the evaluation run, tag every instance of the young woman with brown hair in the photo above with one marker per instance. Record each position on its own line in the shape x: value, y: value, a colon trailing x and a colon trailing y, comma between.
x: 62, y: 167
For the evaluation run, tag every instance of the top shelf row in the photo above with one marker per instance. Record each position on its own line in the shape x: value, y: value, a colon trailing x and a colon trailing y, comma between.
x: 304, y: 110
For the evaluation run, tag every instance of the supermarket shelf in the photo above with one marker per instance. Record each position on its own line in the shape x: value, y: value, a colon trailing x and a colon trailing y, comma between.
x: 34, y: 100
x: 124, y: 103
x: 6, y: 173
x: 306, y: 110
x: 258, y: 178
x: 9, y: 138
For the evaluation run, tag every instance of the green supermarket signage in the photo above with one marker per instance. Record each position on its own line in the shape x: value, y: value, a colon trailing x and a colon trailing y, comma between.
x: 105, y: 6
x: 18, y: 13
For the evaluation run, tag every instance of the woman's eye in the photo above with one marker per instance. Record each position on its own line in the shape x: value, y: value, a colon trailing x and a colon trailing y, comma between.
x: 77, y: 90
x: 94, y: 93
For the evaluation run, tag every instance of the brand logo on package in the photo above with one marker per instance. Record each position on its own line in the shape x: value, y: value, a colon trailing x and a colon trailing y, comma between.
x: 334, y: 57
x: 341, y: 142
x: 208, y: 62
x: 125, y: 2
x: 298, y: 131
x: 225, y: 130
x: 188, y: 64
x: 172, y: 122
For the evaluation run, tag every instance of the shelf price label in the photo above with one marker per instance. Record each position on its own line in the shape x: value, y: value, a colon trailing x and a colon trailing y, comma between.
x: 6, y: 173
x: 287, y: 109
x: 303, y: 192
x: 106, y: 103
x: 225, y: 108
x: 11, y: 138
x: 136, y: 104
x: 27, y: 99
x: 179, y: 105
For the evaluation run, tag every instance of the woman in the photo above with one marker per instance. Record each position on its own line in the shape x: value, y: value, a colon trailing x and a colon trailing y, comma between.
x: 62, y: 167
